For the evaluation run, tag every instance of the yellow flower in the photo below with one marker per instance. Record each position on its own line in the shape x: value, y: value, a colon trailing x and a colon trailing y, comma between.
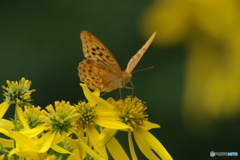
x: 62, y: 119
x: 94, y: 115
x: 104, y: 113
x: 132, y: 112
x: 32, y: 114
x: 25, y: 139
x: 18, y: 92
x: 28, y: 143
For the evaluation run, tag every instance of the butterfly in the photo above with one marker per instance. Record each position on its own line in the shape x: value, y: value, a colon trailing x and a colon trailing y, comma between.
x: 100, y: 70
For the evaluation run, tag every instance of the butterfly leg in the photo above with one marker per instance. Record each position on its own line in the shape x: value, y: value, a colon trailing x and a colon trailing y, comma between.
x: 103, y: 94
x: 119, y: 94
x: 132, y: 88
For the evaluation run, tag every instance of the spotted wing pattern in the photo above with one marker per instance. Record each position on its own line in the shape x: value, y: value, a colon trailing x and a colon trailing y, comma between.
x: 95, y: 50
x: 97, y: 76
x: 100, y: 70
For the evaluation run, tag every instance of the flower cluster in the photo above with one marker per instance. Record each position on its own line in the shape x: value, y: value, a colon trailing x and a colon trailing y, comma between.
x: 74, y: 131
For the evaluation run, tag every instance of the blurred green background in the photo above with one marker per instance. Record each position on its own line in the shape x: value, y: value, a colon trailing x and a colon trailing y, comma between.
x: 39, y: 40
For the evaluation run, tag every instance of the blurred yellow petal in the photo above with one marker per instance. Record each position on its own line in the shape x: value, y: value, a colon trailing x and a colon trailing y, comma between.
x: 96, y: 93
x: 23, y: 141
x: 93, y: 136
x: 147, y: 142
x: 90, y: 151
x: 131, y: 146
x: 170, y: 19
x: 212, y: 86
x: 45, y: 142
x: 60, y: 149
x: 6, y: 124
x: 27, y: 152
x: 3, y: 108
x: 33, y: 132
x: 78, y: 152
x: 110, y: 120
x: 75, y: 154
x: 95, y: 100
x: 149, y: 125
x: 6, y: 132
x: 21, y: 117
x: 106, y: 135
x: 217, y: 18
x: 7, y: 142
x: 116, y: 150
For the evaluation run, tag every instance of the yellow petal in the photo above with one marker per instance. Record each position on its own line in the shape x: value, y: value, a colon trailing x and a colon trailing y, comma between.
x: 149, y: 125
x: 116, y: 150
x: 58, y: 138
x: 60, y: 150
x: 45, y: 142
x: 170, y: 19
x: 25, y: 153
x: 145, y: 139
x: 131, y: 146
x: 93, y: 136
x: 7, y: 142
x: 90, y: 151
x: 33, y: 132
x: 106, y: 135
x: 6, y: 124
x: 145, y: 149
x: 110, y: 120
x: 23, y: 141
x: 5, y: 132
x: 21, y: 117
x: 95, y: 100
x: 96, y: 93
x: 3, y: 108
x: 78, y: 152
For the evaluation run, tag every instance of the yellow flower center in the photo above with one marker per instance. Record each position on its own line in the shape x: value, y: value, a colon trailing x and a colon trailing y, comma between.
x: 87, y: 114
x: 32, y: 114
x: 132, y: 111
x: 61, y: 120
x: 18, y: 92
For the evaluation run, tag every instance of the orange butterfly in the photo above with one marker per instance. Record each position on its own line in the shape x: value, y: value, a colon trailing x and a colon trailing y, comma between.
x: 100, y: 70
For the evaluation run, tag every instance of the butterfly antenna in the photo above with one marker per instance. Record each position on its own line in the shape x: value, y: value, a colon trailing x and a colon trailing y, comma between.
x: 145, y: 69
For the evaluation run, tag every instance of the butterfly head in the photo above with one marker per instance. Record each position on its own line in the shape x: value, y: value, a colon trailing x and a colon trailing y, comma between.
x: 126, y: 77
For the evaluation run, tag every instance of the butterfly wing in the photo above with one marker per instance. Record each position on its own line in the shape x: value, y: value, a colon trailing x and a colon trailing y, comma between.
x: 97, y: 75
x: 136, y: 58
x: 94, y: 49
